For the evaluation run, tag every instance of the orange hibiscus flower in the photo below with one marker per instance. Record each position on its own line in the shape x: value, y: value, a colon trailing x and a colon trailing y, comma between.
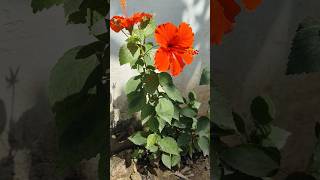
x: 175, y: 47
x: 117, y: 23
x: 223, y: 16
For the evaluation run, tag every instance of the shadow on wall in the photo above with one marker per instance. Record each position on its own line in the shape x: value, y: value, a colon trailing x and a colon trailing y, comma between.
x: 33, y: 145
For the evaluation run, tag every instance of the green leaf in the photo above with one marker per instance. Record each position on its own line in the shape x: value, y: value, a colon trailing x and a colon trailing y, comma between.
x: 138, y: 139
x: 39, y: 5
x: 168, y: 86
x: 176, y: 113
x: 71, y: 76
x: 136, y: 101
x: 125, y: 55
x: 222, y: 113
x: 175, y: 160
x: 203, y: 127
x: 161, y: 123
x: 166, y: 160
x: 152, y: 139
x: 183, y: 123
x: 132, y: 84
x: 204, y: 145
x: 152, y: 148
x: 153, y: 124
x: 165, y: 109
x: 151, y: 83
x: 170, y: 160
x: 149, y: 30
x: 188, y: 112
x: 205, y: 77
x: 169, y: 145
x: 251, y: 160
x: 305, y: 51
x: 146, y: 113
x: 262, y: 110
x: 184, y: 139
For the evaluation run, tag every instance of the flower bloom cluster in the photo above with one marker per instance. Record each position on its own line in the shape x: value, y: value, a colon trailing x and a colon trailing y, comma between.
x: 117, y: 23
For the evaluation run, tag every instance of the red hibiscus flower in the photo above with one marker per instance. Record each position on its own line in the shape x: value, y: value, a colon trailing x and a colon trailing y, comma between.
x: 175, y: 47
x: 117, y: 23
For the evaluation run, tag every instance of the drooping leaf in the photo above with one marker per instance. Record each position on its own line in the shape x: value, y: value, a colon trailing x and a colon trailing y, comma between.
x: 251, y: 160
x: 305, y: 50
x: 166, y: 83
x: 169, y: 145
x: 138, y: 139
x: 165, y: 109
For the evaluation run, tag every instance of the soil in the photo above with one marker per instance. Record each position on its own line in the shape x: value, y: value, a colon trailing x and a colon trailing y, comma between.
x: 123, y: 168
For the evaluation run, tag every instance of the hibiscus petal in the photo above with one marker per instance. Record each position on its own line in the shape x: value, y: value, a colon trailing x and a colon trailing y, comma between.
x: 162, y: 60
x: 164, y: 33
x: 176, y: 65
x: 185, y: 36
x: 187, y: 57
x: 251, y: 4
x: 219, y: 23
x: 230, y: 8
x: 116, y: 23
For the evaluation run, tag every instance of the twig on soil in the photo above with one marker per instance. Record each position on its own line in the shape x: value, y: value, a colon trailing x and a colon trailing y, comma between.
x: 181, y: 175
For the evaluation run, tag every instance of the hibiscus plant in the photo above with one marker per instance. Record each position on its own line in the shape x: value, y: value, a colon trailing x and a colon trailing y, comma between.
x: 171, y: 126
